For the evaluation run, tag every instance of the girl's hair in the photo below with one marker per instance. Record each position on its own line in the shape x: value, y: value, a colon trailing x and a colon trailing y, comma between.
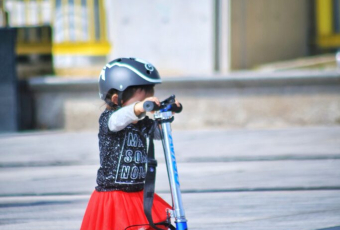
x: 127, y: 94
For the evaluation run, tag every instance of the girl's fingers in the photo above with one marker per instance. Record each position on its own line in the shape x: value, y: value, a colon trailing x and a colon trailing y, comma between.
x: 177, y: 103
x: 154, y: 99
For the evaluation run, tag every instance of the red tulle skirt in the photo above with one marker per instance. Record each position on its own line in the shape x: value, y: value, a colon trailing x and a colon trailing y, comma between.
x: 117, y: 210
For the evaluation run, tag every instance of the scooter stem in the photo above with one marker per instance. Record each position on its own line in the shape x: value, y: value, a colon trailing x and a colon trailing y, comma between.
x: 170, y: 159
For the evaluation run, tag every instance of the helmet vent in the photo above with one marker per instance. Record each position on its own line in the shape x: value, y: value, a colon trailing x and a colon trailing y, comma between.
x: 131, y: 58
x: 119, y: 60
x: 148, y: 71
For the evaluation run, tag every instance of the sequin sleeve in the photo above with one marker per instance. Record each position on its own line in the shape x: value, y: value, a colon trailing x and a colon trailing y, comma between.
x: 103, y: 121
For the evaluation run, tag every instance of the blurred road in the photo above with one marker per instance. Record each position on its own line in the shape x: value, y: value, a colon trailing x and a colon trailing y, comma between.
x: 285, y: 179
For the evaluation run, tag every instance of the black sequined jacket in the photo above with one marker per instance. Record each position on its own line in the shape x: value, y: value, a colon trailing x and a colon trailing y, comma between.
x: 123, y: 155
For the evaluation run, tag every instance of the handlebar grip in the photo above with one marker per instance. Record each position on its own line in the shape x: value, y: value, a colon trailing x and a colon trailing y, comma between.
x: 176, y: 109
x: 150, y: 106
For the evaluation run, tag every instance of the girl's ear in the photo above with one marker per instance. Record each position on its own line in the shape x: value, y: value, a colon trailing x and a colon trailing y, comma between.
x: 114, y: 99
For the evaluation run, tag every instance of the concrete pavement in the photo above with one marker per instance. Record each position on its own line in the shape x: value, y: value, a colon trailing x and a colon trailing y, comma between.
x: 230, y: 179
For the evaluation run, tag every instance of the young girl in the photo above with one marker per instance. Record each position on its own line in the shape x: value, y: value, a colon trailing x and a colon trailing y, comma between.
x: 117, y: 202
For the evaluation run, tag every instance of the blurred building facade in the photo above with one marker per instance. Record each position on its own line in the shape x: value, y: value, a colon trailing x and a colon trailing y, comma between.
x: 75, y: 38
x: 179, y: 37
x: 73, y: 33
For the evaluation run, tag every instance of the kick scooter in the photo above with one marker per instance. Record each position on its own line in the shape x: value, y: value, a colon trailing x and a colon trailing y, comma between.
x: 164, y: 116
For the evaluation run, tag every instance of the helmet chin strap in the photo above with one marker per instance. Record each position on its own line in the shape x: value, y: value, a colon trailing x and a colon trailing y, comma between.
x: 120, y: 98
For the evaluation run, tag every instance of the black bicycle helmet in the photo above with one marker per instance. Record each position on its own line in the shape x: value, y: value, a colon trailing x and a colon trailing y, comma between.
x: 121, y: 73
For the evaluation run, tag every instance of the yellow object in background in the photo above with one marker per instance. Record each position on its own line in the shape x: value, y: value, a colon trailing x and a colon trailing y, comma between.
x: 73, y: 27
x: 327, y: 16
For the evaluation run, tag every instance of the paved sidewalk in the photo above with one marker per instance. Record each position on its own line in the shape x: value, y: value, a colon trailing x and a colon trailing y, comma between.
x: 231, y: 179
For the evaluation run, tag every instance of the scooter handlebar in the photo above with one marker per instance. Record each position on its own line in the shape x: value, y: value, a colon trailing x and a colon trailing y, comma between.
x: 176, y: 109
x: 152, y: 106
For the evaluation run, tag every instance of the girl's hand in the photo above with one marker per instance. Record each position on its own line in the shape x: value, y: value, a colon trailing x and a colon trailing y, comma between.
x: 139, y: 105
x: 139, y: 109
x: 177, y: 103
